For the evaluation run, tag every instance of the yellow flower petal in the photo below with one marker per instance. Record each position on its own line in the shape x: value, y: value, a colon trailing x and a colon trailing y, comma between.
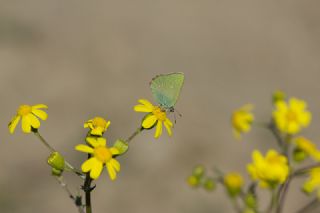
x: 86, y: 124
x: 114, y: 151
x: 95, y: 142
x: 26, y: 124
x: 13, y: 123
x: 158, y: 130
x: 88, y: 164
x: 97, y: 131
x: 149, y: 121
x: 146, y: 103
x: 168, y: 127
x: 39, y: 113
x: 142, y: 108
x: 111, y: 171
x: 96, y: 169
x: 115, y: 164
x: 84, y: 148
x: 35, y: 123
x: 169, y: 123
x: 40, y: 106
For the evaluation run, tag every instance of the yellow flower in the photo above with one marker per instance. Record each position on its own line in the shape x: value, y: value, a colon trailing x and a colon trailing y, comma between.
x: 291, y: 117
x: 233, y: 182
x: 307, y: 147
x: 100, y: 155
x: 313, y: 183
x: 241, y: 120
x: 270, y: 170
x: 28, y: 116
x: 156, y: 116
x: 97, y: 125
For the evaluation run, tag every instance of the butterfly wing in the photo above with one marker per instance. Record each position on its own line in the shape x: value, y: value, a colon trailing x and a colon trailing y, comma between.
x: 166, y: 89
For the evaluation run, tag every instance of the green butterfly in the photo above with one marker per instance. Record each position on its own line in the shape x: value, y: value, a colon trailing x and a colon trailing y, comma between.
x: 166, y: 89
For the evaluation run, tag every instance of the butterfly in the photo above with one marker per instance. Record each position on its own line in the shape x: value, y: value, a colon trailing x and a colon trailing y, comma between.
x: 166, y: 88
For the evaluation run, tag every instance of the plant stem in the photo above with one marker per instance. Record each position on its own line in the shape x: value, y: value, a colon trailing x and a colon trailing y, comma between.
x: 51, y: 149
x: 309, y: 206
x: 134, y: 134
x: 273, y: 201
x: 43, y: 141
x: 282, y: 194
x: 71, y: 196
x: 87, y: 190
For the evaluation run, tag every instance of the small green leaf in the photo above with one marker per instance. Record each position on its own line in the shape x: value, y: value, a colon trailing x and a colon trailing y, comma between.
x: 122, y: 146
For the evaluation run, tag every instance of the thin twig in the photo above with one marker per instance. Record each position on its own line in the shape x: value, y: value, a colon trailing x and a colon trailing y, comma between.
x: 134, y: 134
x: 282, y: 194
x: 71, y: 196
x: 274, y: 131
x: 314, y: 203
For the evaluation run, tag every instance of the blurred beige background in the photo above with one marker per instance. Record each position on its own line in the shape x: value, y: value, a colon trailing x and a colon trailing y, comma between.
x: 88, y: 58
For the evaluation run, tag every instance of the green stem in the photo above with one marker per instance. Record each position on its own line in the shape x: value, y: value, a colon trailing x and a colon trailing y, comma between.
x: 69, y: 167
x: 273, y: 201
x: 235, y: 204
x: 36, y: 132
x: 134, y: 134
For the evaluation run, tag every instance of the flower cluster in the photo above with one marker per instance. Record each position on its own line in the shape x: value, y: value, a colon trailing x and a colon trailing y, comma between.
x: 274, y: 170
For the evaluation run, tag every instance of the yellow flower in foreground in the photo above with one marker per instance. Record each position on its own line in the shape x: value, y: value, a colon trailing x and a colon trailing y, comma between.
x: 307, y: 147
x: 233, y: 182
x: 313, y: 183
x: 291, y: 117
x: 156, y: 116
x: 97, y: 125
x: 270, y: 170
x: 100, y: 155
x: 241, y: 120
x: 29, y: 117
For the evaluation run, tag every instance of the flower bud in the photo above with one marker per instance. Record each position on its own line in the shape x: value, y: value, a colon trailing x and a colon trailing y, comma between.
x: 209, y: 184
x: 299, y: 155
x: 278, y: 95
x: 198, y: 171
x: 251, y: 201
x: 233, y: 183
x: 56, y: 161
x: 193, y: 181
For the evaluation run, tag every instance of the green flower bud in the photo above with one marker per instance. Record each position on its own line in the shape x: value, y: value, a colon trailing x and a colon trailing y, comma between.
x: 251, y: 201
x: 198, y: 171
x: 56, y: 161
x: 278, y: 96
x: 56, y: 172
x: 122, y: 146
x: 209, y: 184
x: 299, y: 155
x: 193, y: 181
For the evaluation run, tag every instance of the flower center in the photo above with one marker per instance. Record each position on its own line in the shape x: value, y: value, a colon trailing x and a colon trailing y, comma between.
x: 24, y: 110
x: 291, y: 116
x: 161, y: 115
x: 102, y: 153
x: 99, y: 122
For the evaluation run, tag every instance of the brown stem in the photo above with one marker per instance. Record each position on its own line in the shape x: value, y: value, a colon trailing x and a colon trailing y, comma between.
x: 309, y: 206
x: 87, y: 189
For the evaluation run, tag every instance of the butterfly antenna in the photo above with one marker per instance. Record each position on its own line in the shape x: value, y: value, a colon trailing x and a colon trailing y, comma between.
x: 180, y: 115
